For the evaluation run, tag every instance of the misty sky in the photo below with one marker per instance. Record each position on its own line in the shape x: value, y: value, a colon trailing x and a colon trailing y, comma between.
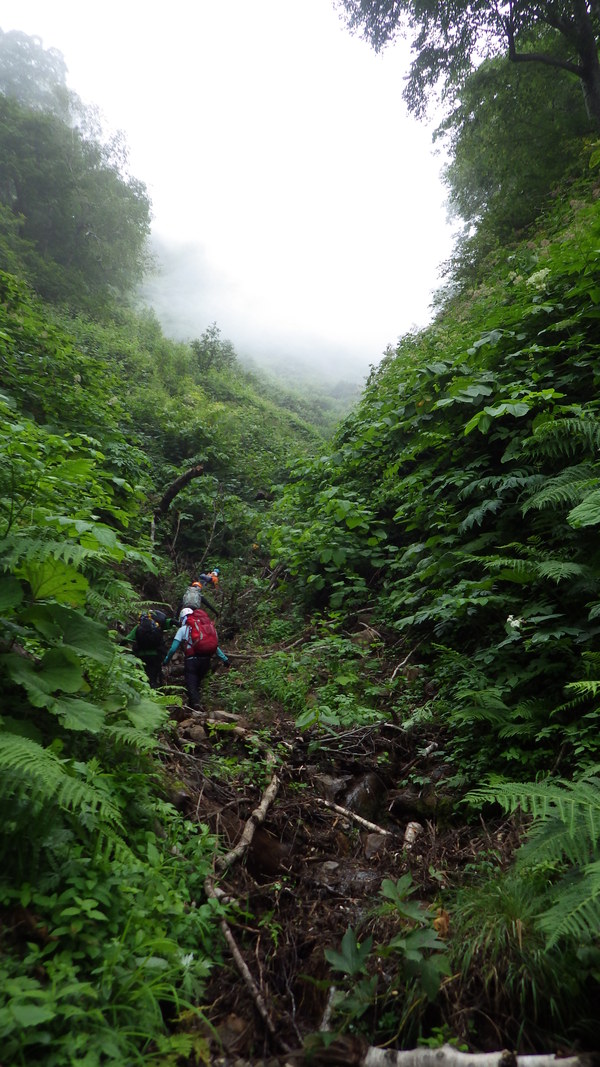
x: 294, y: 201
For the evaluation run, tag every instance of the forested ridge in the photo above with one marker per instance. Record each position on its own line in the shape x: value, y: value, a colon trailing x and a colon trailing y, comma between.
x: 379, y: 833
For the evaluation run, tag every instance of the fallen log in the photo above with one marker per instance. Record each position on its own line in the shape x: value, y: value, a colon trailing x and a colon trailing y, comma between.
x: 447, y: 1056
x: 175, y: 487
x: 354, y: 1052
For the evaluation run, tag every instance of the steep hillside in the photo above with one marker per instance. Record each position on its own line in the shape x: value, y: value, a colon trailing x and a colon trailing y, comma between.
x: 97, y: 420
x: 460, y: 501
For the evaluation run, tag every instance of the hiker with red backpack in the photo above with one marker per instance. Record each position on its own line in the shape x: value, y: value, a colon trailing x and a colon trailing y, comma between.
x: 197, y: 635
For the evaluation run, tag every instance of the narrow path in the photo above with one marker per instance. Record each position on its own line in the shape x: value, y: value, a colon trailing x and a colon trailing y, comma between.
x: 312, y: 866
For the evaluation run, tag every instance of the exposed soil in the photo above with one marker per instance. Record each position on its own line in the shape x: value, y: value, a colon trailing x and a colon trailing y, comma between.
x: 310, y: 871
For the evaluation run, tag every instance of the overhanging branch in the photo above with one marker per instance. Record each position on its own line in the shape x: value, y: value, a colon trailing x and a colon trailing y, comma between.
x: 537, y: 57
x: 548, y: 61
x: 172, y: 491
x: 176, y: 487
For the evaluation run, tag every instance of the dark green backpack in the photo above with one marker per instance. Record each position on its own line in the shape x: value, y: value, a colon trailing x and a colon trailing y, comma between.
x: 149, y: 633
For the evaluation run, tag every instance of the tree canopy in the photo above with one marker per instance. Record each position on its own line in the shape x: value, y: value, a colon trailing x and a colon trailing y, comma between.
x: 509, y: 147
x: 72, y: 219
x: 450, y: 39
x: 32, y: 74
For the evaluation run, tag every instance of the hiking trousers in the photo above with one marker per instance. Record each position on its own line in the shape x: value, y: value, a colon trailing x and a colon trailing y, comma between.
x: 194, y: 669
x: 153, y: 666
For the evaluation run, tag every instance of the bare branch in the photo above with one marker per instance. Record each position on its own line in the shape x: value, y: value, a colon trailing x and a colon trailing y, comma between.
x: 176, y: 487
x: 257, y: 817
x: 355, y: 818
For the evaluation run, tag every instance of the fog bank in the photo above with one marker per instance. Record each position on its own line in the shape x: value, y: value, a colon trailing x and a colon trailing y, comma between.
x: 188, y: 294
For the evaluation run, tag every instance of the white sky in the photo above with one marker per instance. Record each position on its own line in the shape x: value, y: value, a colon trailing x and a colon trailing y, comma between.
x: 301, y: 206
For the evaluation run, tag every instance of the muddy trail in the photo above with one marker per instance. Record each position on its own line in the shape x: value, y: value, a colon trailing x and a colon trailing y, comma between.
x: 308, y: 828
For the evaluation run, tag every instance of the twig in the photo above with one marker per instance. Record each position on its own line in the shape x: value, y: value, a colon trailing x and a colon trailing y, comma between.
x: 267, y: 655
x: 222, y: 862
x: 371, y: 629
x: 256, y: 818
x: 403, y: 663
x: 325, y: 1026
x: 356, y: 818
x: 245, y: 972
x: 431, y: 747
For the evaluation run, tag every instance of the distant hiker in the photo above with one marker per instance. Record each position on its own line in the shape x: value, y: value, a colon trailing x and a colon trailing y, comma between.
x: 212, y: 578
x: 194, y: 596
x: 148, y: 642
x: 198, y: 637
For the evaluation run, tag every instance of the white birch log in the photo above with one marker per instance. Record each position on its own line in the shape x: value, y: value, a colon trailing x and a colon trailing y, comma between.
x: 447, y: 1056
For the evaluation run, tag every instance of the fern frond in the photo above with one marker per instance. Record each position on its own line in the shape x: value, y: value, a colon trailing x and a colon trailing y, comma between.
x: 587, y: 513
x: 576, y: 913
x: 523, y: 569
x: 528, y: 569
x: 559, y: 570
x: 589, y: 687
x: 565, y: 831
x: 500, y: 483
x: 481, y: 706
x: 28, y: 769
x: 548, y: 799
x: 128, y: 735
x: 557, y: 841
x: 565, y: 490
x: 110, y: 594
x: 26, y: 544
x: 524, y: 720
x: 478, y: 514
x: 564, y: 437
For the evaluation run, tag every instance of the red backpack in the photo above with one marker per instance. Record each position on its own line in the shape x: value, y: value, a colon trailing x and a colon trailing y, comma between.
x: 203, y: 637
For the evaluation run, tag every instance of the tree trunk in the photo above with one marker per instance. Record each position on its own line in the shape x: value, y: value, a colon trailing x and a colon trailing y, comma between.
x: 176, y: 487
x: 171, y: 492
x: 587, y: 48
x: 578, y: 30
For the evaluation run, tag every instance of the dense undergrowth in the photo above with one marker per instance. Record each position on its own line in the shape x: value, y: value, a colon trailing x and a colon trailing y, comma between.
x: 461, y: 500
x: 459, y: 503
x: 434, y: 571
x: 105, y: 930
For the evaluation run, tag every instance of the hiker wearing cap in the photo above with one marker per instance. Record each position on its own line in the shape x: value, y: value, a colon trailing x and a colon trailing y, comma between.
x: 198, y: 638
x: 195, y: 597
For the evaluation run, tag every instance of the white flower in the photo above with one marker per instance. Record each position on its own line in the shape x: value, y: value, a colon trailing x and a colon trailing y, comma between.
x: 538, y: 278
x: 513, y: 621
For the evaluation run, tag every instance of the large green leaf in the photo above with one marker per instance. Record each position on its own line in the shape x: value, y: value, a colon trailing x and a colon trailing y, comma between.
x: 77, y: 631
x: 353, y: 956
x: 24, y: 672
x: 61, y: 671
x: 58, y: 672
x: 146, y: 715
x: 77, y: 714
x: 52, y: 579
